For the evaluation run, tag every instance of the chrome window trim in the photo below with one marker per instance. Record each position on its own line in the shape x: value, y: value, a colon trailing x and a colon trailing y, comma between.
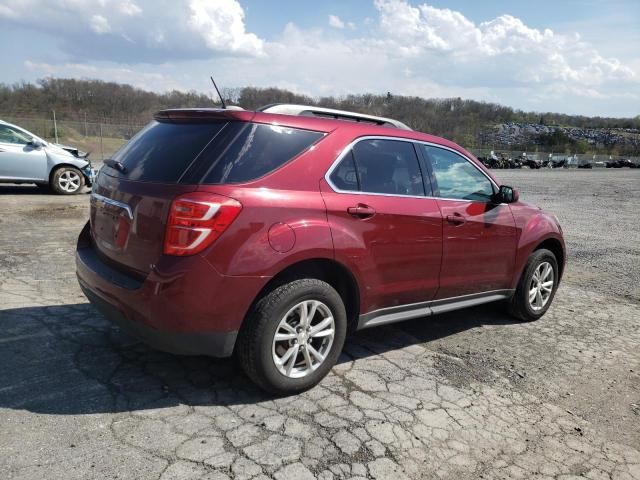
x: 350, y: 146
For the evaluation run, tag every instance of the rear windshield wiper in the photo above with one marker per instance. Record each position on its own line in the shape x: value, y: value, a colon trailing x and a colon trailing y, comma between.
x: 110, y: 162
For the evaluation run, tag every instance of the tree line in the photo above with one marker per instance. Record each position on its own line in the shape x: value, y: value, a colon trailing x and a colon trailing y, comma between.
x: 454, y: 118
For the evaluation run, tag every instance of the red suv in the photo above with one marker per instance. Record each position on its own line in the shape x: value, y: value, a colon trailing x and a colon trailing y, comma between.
x: 272, y: 234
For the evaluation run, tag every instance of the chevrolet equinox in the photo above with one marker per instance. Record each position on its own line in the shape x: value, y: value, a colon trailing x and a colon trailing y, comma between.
x: 272, y: 234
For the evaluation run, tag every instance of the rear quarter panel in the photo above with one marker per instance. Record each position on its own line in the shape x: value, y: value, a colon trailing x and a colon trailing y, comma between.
x: 245, y: 249
x: 291, y: 196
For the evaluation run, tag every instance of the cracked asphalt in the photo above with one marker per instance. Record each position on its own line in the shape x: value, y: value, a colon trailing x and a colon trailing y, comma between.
x: 470, y: 394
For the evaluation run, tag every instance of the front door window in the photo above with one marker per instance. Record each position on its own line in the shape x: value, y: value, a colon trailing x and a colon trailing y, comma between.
x: 456, y: 177
x: 11, y: 135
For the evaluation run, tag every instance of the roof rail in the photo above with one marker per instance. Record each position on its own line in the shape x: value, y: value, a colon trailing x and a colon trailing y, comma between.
x: 313, y: 111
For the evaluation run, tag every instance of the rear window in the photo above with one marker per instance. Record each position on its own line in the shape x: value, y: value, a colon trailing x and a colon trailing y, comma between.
x: 254, y: 151
x: 161, y: 152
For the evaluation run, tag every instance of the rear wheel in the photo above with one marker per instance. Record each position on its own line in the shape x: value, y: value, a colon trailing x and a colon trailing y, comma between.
x: 293, y: 336
x: 67, y: 181
x: 536, y: 287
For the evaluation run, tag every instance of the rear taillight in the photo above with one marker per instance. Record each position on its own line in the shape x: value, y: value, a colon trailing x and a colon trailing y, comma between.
x: 196, y: 220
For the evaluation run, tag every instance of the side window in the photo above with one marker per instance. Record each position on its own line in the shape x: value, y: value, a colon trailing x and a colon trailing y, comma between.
x: 256, y: 151
x: 344, y: 176
x: 10, y: 135
x: 162, y: 151
x: 388, y: 166
x: 456, y: 177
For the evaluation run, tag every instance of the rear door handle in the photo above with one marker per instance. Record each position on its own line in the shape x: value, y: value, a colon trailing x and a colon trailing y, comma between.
x: 456, y: 219
x: 361, y: 211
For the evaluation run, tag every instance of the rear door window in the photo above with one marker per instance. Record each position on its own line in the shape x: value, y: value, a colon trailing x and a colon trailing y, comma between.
x: 345, y: 177
x: 162, y: 151
x: 256, y: 150
x: 389, y: 167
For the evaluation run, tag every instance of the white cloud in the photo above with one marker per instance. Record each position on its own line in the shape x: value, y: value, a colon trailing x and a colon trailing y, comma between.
x: 221, y: 24
x: 99, y: 24
x: 503, y: 46
x: 432, y: 52
x: 159, y: 29
x: 7, y: 12
x: 335, y: 21
x: 129, y: 8
x: 361, y: 65
x: 408, y: 49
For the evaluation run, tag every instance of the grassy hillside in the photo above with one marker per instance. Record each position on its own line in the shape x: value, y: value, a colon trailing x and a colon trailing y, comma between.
x: 464, y: 121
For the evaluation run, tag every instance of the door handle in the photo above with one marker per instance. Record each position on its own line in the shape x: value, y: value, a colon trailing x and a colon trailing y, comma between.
x: 361, y: 211
x: 456, y: 219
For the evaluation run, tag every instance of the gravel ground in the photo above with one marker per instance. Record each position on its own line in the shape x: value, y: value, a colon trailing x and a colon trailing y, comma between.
x: 469, y: 394
x: 600, y: 213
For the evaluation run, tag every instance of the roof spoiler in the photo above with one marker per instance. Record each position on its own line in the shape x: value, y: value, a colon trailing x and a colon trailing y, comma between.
x: 313, y: 111
x: 196, y: 114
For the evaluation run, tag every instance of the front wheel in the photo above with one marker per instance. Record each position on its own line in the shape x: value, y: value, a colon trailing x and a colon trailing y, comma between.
x: 67, y: 181
x: 536, y: 287
x: 293, y: 336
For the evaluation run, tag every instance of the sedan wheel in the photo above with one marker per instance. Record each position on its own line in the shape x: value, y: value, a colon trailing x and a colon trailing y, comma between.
x: 68, y: 181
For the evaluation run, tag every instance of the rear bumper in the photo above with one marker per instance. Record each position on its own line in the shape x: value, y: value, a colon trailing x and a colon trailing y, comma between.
x: 183, y: 306
x: 216, y: 344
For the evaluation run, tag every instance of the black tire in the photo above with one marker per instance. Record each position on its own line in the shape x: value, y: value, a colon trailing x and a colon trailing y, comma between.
x: 519, y: 305
x: 255, y: 341
x: 61, y: 186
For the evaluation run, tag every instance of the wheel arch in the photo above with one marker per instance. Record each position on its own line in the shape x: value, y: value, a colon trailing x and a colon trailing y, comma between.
x: 328, y: 270
x: 554, y: 246
x: 58, y: 166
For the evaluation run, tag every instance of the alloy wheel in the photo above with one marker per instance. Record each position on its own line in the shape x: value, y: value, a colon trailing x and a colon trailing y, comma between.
x: 303, y: 339
x: 541, y: 286
x: 69, y: 181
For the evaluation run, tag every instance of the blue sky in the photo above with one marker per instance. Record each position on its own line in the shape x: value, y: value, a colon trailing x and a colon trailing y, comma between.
x: 573, y: 56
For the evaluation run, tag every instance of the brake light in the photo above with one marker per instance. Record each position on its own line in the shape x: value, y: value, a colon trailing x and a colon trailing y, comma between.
x: 196, y: 220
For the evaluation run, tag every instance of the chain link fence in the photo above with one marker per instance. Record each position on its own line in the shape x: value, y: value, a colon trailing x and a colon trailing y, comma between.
x: 102, y: 139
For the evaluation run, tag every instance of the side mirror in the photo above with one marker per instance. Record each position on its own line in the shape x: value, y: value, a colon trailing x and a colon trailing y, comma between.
x: 507, y: 194
x: 36, y: 143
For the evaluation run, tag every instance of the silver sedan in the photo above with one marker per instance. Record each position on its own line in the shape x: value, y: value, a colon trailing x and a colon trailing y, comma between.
x: 26, y: 158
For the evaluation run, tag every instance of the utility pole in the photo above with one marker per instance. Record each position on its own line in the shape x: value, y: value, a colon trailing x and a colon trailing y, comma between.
x: 55, y: 126
x: 101, y: 149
